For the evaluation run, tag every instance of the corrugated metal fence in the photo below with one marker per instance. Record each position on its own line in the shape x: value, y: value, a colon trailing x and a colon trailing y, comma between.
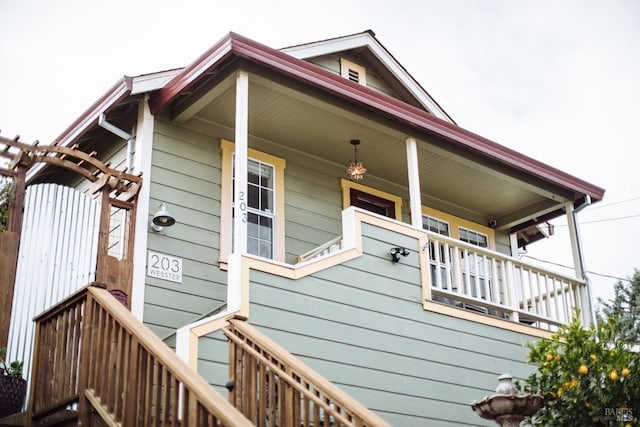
x: 57, y: 256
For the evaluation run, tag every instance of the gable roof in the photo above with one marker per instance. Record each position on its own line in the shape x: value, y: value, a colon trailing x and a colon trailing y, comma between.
x: 234, y: 46
x: 367, y: 40
x: 170, y: 87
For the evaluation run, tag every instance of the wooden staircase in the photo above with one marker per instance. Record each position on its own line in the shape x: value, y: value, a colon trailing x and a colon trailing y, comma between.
x: 95, y: 364
x: 93, y: 356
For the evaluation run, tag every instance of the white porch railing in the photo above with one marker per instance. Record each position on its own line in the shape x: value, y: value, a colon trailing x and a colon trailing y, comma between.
x: 488, y: 282
x: 332, y: 245
x: 482, y: 280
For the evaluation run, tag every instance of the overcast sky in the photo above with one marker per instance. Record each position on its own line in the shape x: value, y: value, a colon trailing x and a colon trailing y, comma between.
x: 556, y: 80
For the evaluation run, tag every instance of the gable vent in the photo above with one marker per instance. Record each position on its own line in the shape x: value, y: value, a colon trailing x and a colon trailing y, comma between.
x: 352, y: 71
x: 354, y: 76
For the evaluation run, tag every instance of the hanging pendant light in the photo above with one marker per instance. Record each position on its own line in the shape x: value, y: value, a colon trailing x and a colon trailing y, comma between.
x: 356, y: 169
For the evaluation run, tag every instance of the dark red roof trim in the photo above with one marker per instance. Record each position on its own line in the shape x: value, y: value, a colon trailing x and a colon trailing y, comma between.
x: 234, y: 44
x: 117, y: 93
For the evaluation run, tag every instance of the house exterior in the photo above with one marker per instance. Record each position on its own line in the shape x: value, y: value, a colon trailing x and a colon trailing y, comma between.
x: 402, y: 287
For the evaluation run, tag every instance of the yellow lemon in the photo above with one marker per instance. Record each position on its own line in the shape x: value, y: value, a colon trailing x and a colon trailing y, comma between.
x: 613, y: 375
x: 556, y: 358
x: 588, y: 405
x: 549, y: 357
x: 625, y: 372
x: 593, y: 356
x: 583, y: 370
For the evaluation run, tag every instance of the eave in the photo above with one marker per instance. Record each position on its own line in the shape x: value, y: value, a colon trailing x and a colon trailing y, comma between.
x: 367, y: 39
x: 236, y: 46
x: 118, y: 93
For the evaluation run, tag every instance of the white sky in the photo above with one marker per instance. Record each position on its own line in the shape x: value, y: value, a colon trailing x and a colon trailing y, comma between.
x: 557, y: 80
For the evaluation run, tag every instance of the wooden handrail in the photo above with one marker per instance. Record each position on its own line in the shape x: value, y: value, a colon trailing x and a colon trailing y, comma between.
x: 274, y: 388
x: 92, y: 351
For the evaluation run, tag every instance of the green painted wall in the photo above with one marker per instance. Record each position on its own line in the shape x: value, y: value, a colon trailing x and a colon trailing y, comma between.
x: 363, y: 327
x: 360, y: 324
x: 185, y: 175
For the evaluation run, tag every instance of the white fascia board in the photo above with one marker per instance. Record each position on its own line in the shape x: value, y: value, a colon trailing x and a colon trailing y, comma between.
x: 151, y: 82
x: 327, y: 47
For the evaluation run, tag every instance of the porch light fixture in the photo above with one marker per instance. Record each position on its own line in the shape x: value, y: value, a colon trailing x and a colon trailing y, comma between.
x: 396, y: 252
x: 356, y: 169
x: 162, y: 218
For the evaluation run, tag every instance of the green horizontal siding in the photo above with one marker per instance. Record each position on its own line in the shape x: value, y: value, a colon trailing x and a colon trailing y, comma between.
x: 362, y: 325
x: 185, y: 175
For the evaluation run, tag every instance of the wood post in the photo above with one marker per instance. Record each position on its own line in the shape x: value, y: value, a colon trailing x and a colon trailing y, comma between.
x: 9, y: 246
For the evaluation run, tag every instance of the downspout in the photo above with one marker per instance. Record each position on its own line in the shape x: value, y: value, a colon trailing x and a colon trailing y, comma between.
x: 103, y: 123
x: 578, y: 253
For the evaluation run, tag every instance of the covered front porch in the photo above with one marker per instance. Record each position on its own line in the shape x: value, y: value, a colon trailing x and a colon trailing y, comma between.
x: 417, y: 162
x: 465, y: 280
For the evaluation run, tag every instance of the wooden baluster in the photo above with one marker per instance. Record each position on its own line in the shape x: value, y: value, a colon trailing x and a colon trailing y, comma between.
x: 511, y: 288
x: 88, y: 343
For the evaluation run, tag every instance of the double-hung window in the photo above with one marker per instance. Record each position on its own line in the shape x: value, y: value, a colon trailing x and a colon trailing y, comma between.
x: 265, y: 203
x: 457, y: 268
x: 439, y: 256
x: 475, y: 265
x: 260, y: 208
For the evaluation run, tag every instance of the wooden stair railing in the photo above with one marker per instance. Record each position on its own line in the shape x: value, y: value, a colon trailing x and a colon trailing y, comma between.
x: 93, y: 355
x: 274, y: 388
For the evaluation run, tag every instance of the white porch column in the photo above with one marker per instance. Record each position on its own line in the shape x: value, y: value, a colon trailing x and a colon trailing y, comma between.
x: 588, y: 313
x: 513, y: 242
x: 415, y: 200
x: 142, y: 163
x: 240, y: 163
x: 576, y: 250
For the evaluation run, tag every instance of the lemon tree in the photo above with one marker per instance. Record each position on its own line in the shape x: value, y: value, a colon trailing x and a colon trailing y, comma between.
x: 587, y: 376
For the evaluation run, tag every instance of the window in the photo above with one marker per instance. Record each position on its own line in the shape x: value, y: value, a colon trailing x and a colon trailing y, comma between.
x: 260, y: 208
x: 373, y: 200
x: 372, y: 203
x: 265, y: 204
x: 442, y: 262
x: 476, y: 267
x: 458, y: 269
x: 354, y: 72
x: 458, y: 228
x: 473, y: 237
x: 433, y: 224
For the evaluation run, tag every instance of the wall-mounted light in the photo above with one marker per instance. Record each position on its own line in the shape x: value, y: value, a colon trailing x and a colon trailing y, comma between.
x: 162, y: 218
x: 397, y: 252
x: 356, y: 169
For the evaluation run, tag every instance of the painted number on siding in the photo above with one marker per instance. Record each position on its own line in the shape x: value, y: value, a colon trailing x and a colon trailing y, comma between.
x: 164, y: 267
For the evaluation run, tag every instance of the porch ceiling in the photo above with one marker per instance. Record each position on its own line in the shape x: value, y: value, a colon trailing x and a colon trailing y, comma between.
x: 323, y: 128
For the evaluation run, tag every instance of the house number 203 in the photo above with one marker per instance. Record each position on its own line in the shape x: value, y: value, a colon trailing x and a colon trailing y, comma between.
x: 242, y: 205
x: 164, y: 267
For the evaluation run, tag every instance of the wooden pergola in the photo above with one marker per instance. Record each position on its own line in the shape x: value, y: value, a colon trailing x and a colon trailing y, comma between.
x: 112, y: 188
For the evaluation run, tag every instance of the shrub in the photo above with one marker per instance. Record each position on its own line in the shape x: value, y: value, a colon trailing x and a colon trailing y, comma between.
x: 586, y: 376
